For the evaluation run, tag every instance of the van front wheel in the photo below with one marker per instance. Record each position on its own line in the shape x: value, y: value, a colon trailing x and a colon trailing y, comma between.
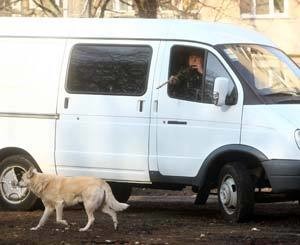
x: 13, y: 197
x: 235, y: 192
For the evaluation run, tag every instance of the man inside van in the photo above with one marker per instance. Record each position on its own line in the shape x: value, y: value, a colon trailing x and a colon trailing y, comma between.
x: 187, y: 83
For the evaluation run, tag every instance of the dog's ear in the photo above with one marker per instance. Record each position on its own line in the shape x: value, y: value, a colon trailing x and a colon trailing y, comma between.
x: 31, y: 172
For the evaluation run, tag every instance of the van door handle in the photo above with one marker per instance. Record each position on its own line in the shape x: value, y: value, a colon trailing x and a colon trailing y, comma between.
x: 155, y: 104
x: 177, y: 122
x: 66, y: 103
x: 140, y: 105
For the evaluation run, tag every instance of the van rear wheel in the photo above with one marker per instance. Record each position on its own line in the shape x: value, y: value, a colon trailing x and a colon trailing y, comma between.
x: 235, y: 193
x: 121, y: 191
x: 13, y: 197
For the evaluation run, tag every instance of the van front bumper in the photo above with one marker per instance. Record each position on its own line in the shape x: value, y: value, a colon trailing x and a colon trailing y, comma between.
x: 284, y: 175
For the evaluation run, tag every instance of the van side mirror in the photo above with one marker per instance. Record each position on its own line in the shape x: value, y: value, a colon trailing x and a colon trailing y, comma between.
x: 221, y: 90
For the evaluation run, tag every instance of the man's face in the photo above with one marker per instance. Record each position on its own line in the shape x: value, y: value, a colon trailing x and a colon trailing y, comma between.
x: 195, y: 61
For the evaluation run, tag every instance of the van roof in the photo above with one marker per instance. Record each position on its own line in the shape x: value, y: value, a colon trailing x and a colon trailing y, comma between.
x: 158, y: 29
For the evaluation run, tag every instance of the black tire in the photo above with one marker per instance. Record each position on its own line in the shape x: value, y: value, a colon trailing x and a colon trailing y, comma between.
x: 13, y: 197
x: 202, y: 196
x: 121, y: 191
x: 236, y: 193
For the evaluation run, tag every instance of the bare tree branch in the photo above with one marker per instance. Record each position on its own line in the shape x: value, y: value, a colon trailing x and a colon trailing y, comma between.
x: 127, y: 3
x: 86, y: 5
x: 54, y: 5
x: 44, y: 8
x: 93, y: 7
x: 103, y: 8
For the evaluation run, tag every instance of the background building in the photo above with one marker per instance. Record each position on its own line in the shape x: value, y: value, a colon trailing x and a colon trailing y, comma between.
x: 277, y: 19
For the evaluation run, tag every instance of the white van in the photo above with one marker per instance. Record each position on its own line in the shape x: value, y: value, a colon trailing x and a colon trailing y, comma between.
x: 86, y: 97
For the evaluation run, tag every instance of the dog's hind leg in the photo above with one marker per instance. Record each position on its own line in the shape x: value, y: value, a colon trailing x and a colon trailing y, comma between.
x: 59, y: 213
x: 91, y: 219
x: 46, y: 214
x: 92, y: 199
x: 106, y: 209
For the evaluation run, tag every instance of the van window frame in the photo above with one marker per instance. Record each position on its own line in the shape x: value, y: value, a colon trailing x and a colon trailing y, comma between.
x: 216, y: 48
x: 109, y: 45
x: 251, y: 96
x: 231, y: 78
x: 203, y: 75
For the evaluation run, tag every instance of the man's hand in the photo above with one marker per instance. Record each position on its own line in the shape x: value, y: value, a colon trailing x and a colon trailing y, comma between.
x: 172, y: 80
x: 197, y: 67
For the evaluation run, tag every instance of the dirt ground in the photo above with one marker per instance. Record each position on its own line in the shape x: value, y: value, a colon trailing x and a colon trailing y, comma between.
x: 160, y: 219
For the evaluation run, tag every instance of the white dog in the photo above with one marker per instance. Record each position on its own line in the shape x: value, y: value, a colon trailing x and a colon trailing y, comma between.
x: 57, y: 192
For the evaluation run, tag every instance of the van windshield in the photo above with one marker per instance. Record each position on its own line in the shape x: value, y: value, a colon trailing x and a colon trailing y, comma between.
x: 268, y: 70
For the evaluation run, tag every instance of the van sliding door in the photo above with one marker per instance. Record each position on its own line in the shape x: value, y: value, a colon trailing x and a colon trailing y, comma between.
x: 104, y: 108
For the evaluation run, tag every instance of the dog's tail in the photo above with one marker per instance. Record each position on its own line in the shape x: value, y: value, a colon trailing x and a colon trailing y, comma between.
x: 111, y: 200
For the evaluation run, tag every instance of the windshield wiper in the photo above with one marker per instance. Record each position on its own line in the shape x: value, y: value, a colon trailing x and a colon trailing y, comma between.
x: 283, y: 93
x: 285, y: 97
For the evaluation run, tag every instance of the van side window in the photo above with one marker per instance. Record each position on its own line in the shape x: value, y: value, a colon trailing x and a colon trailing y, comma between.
x: 215, y: 69
x: 186, y: 73
x: 109, y: 69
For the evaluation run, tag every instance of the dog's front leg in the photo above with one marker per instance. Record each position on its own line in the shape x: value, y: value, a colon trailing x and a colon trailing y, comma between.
x: 45, y: 216
x: 59, y: 213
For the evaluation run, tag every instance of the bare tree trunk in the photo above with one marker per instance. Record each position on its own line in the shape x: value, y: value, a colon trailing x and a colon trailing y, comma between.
x: 24, y: 7
x: 147, y: 8
x: 90, y: 3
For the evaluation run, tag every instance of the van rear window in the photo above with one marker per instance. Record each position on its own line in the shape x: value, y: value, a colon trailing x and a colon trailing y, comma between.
x: 109, y: 69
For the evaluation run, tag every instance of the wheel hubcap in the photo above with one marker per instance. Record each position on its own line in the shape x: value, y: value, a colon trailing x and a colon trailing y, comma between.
x: 9, y: 190
x: 228, y: 194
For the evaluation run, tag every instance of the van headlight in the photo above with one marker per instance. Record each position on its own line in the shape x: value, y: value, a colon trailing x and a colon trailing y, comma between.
x: 297, y: 137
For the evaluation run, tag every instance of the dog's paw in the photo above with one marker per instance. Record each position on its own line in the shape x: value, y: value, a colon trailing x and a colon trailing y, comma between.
x: 63, y: 222
x: 116, y: 226
x: 82, y: 229
x: 34, y: 228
